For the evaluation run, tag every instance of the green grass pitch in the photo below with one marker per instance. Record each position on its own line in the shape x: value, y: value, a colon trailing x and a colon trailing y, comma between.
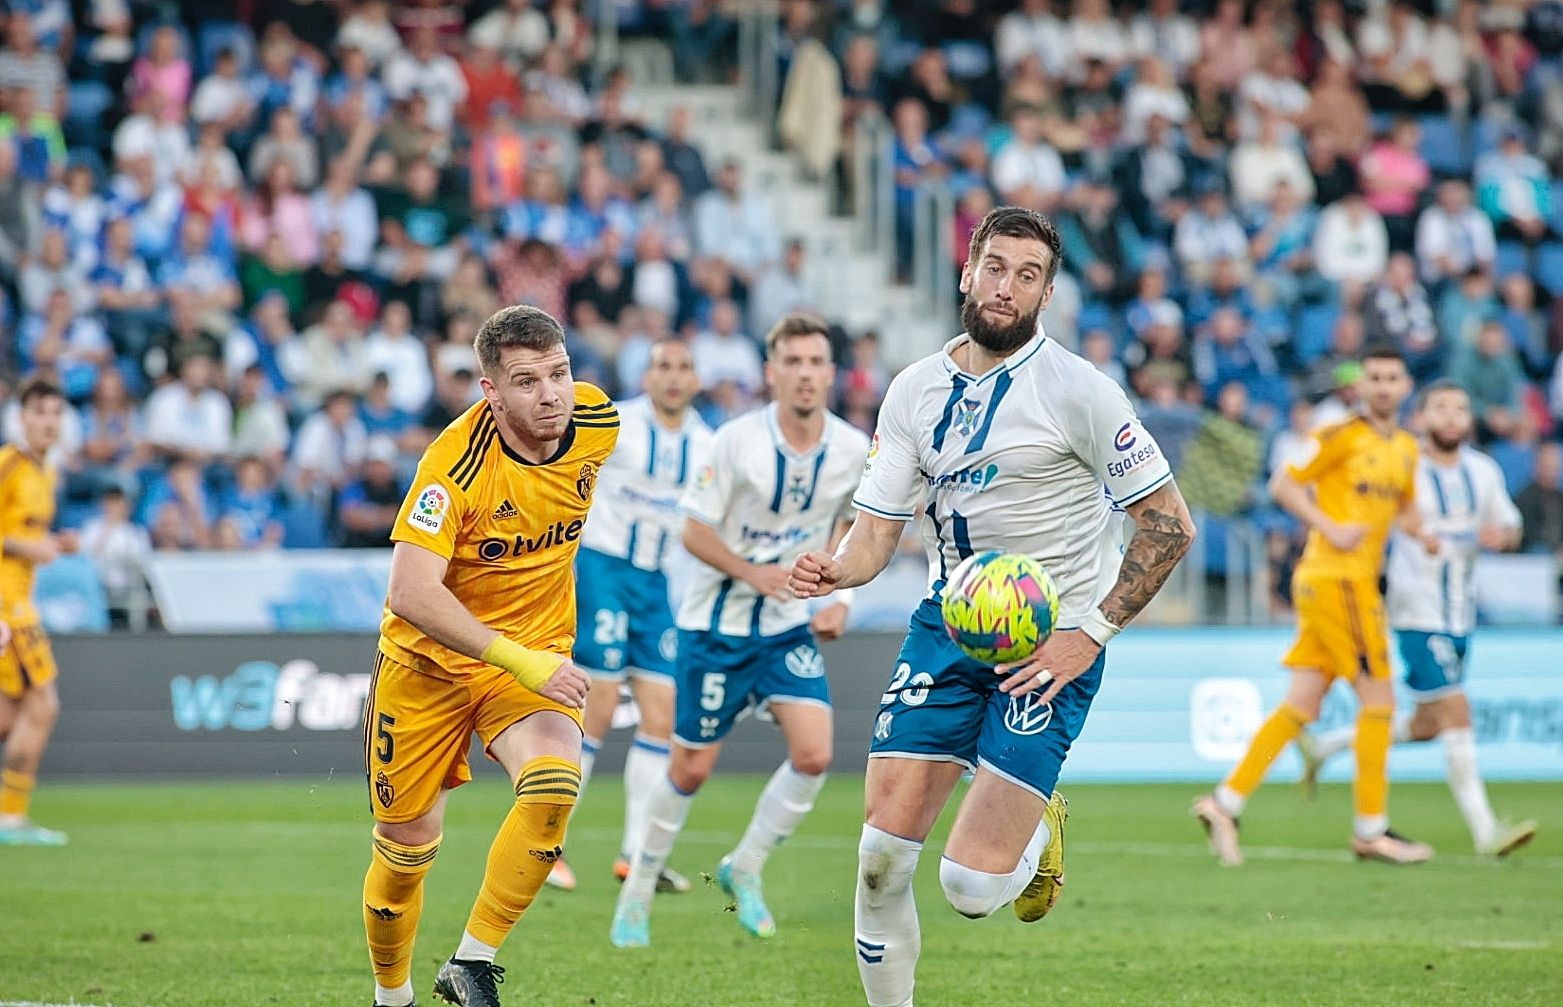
x: 242, y: 895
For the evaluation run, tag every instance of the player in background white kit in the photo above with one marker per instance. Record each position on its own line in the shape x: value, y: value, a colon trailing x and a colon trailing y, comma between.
x: 624, y: 617
x: 779, y: 482
x: 1012, y: 443
x: 1432, y: 608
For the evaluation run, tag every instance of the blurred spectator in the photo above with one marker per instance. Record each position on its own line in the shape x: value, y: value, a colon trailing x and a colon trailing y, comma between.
x: 1168, y: 417
x: 1101, y: 246
x: 1222, y: 463
x: 222, y: 98
x: 553, y: 94
x: 328, y: 449
x: 1292, y: 443
x: 725, y: 354
x: 1207, y: 233
x: 188, y: 418
x: 1151, y: 305
x: 149, y: 133
x: 680, y: 154
x: 260, y: 424
x: 1154, y: 179
x: 498, y: 161
x: 516, y: 28
x: 20, y: 223
x: 181, y: 513
x: 341, y: 205
x: 1490, y: 373
x: 917, y: 160
x: 781, y: 288
x: 250, y: 514
x: 278, y: 209
x: 489, y: 82
x: 1541, y: 504
x: 113, y: 444
x: 452, y: 396
x: 529, y: 272
x: 118, y: 547
x: 369, y: 30
x: 1271, y: 91
x: 1097, y: 347
x: 1465, y: 307
x: 1282, y: 248
x: 24, y: 64
x: 1394, y: 175
x: 1228, y: 44
x: 1026, y: 171
x: 468, y: 291
x: 1033, y: 32
x: 1260, y: 164
x: 36, y: 135
x: 1397, y: 310
x: 330, y: 356
x: 1452, y: 236
x: 1351, y: 245
x: 367, y: 507
x: 1513, y: 189
x: 285, y: 141
x: 393, y: 350
x: 1526, y: 325
x: 199, y: 272
x: 1337, y: 106
x: 164, y: 71
x: 381, y: 416
x: 53, y: 271
x: 735, y: 224
x: 72, y: 345
x: 424, y: 69
x: 355, y: 81
x: 1230, y: 350
x: 1334, y: 175
x: 605, y: 287
x: 1161, y: 31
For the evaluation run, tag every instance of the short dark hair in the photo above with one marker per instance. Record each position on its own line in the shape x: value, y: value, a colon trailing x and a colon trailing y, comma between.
x: 796, y: 323
x: 1382, y: 351
x: 1018, y: 222
x: 1441, y: 385
x: 38, y: 388
x: 519, y: 325
x: 670, y: 341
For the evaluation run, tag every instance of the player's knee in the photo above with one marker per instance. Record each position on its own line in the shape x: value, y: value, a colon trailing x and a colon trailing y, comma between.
x: 973, y: 894
x: 418, y: 832
x: 689, y: 777
x: 812, y: 761
x: 885, y: 864
x: 42, y: 706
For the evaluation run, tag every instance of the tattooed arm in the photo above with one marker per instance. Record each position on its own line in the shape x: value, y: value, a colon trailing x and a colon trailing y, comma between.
x: 1163, y: 532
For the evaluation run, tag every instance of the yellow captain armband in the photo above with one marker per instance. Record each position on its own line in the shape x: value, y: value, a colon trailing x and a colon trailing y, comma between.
x: 532, y: 668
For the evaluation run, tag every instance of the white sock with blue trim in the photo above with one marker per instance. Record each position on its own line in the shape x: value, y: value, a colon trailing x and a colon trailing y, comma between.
x: 888, y: 939
x: 646, y: 763
x: 665, y: 814
x: 781, y: 808
x: 589, y: 748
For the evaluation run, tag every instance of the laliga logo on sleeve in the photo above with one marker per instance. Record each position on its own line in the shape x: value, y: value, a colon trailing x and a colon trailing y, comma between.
x: 428, y: 514
x: 704, y: 476
x: 1124, y: 439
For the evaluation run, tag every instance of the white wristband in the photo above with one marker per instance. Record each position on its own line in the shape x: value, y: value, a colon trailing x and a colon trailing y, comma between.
x: 845, y: 595
x: 1097, y: 627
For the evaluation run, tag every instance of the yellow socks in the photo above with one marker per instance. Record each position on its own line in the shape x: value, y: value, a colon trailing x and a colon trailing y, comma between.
x: 526, y: 847
x: 393, y: 901
x: 1274, y: 735
x: 16, y: 791
x: 1371, y: 789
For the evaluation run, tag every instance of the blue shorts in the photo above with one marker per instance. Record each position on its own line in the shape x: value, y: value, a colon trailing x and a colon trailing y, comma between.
x: 943, y: 706
x: 722, y: 677
x: 623, y: 621
x: 1435, y: 662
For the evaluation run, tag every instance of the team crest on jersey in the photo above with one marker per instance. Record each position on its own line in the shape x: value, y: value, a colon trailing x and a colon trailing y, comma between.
x: 967, y: 412
x: 428, y: 513
x: 383, y: 789
x: 587, y: 481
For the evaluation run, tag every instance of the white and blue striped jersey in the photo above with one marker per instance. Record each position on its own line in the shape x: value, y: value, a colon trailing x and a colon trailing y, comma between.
x: 1435, y: 594
x: 636, y: 514
x: 1038, y: 456
x: 770, y: 504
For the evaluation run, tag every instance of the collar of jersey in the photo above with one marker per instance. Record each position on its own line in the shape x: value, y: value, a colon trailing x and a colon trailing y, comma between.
x: 565, y: 444
x: 774, y: 426
x: 1012, y: 362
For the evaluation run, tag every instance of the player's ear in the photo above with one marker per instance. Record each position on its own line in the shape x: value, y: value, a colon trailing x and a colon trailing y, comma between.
x: 1047, y: 298
x: 492, y: 394
x: 965, y: 285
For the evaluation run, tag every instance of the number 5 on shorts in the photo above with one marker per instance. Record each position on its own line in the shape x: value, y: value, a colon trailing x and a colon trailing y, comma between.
x: 387, y: 749
x: 713, y: 690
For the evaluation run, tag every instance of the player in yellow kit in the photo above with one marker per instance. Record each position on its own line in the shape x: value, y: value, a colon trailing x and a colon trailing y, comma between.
x: 1362, y: 472
x: 478, y: 626
x: 29, y: 703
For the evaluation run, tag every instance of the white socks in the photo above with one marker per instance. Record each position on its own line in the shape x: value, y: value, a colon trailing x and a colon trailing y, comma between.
x: 1332, y: 743
x: 665, y: 813
x: 885, y: 917
x: 401, y: 996
x: 473, y: 950
x: 589, y: 748
x: 1229, y: 800
x: 786, y: 799
x: 1466, y: 784
x: 975, y: 894
x: 646, y: 763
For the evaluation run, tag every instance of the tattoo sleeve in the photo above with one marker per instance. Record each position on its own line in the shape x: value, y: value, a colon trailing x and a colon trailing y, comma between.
x: 1163, y: 532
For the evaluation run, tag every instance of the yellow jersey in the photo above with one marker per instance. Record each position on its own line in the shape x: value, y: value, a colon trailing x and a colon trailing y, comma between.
x: 510, y: 529
x: 1359, y: 476
x: 26, y: 512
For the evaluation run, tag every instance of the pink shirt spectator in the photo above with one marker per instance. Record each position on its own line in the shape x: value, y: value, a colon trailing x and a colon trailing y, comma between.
x: 291, y: 218
x: 1392, y: 178
x: 171, y: 80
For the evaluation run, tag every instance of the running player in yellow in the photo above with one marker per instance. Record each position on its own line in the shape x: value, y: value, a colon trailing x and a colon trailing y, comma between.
x: 1363, y: 477
x: 29, y: 703
x: 479, y: 622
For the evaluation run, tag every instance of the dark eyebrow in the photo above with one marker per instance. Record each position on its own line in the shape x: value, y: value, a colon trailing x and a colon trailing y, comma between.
x: 1029, y: 263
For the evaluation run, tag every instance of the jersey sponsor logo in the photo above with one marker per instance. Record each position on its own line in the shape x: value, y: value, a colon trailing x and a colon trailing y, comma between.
x: 428, y: 513
x: 967, y: 413
x: 805, y: 662
x: 779, y: 536
x: 586, y: 481
x: 973, y: 480
x: 1381, y: 490
x: 1134, y: 460
x: 505, y: 511
x: 1124, y: 439
x: 556, y: 534
x: 1027, y: 715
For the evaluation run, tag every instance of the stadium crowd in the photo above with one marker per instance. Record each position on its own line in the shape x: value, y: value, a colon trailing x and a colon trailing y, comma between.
x: 253, y: 241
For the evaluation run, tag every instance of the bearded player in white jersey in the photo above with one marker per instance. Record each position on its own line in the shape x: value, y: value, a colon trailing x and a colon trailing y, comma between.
x: 625, y: 620
x: 1013, y: 443
x: 778, y: 482
x: 1432, y: 608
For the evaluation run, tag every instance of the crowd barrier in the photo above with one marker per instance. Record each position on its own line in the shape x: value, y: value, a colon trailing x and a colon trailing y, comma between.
x: 1174, y: 705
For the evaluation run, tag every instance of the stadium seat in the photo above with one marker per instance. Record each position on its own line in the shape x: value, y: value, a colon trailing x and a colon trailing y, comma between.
x: 1549, y: 267
x: 70, y: 597
x: 1315, y: 327
x: 1512, y: 258
x: 1444, y: 146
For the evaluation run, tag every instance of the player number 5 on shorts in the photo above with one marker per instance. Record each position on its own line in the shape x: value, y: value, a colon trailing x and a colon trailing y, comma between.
x: 387, y: 749
x: 713, y: 689
x: 908, y: 688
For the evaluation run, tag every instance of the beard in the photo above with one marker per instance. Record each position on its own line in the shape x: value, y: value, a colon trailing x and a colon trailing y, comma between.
x: 1443, y: 443
x: 998, y: 339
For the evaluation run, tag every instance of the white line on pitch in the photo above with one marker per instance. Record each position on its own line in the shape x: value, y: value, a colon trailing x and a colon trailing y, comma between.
x: 30, y: 1003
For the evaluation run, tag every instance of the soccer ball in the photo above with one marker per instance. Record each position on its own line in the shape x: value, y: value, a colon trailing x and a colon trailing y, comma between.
x: 999, y: 606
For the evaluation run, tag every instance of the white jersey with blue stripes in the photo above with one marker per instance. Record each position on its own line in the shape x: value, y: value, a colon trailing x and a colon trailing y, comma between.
x: 770, y: 504
x: 1436, y: 594
x: 1038, y: 456
x: 635, y: 516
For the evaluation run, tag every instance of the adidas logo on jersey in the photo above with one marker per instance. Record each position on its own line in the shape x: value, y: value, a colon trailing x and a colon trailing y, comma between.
x: 505, y: 511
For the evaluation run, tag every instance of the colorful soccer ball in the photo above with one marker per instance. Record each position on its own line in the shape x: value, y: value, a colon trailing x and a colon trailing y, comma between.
x: 999, y: 606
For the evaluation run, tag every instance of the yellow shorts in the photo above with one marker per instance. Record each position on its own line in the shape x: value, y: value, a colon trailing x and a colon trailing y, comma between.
x: 1341, y: 628
x: 28, y: 662
x: 418, y: 730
